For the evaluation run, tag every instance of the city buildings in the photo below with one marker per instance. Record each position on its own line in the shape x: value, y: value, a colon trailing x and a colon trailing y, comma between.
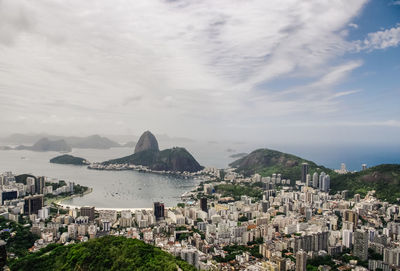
x: 33, y: 204
x: 301, y: 261
x: 361, y: 244
x: 304, y: 172
x: 88, y: 211
x: 203, y: 204
x: 284, y: 223
x: 159, y: 210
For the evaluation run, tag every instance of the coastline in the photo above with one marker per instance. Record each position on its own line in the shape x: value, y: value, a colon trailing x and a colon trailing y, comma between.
x: 58, y: 201
x: 69, y: 206
x: 143, y: 169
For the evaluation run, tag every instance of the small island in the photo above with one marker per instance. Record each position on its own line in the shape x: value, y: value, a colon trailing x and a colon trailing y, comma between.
x: 69, y: 160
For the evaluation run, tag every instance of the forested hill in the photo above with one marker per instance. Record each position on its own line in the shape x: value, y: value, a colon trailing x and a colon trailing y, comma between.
x: 384, y: 179
x: 69, y: 159
x: 266, y: 162
x: 105, y: 253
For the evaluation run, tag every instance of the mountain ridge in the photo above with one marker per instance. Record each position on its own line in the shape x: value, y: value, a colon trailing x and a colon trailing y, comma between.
x: 267, y: 161
x: 46, y: 144
x: 88, y: 142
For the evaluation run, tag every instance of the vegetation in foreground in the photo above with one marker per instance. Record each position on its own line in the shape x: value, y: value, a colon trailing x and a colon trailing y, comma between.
x: 17, y: 236
x: 105, y: 253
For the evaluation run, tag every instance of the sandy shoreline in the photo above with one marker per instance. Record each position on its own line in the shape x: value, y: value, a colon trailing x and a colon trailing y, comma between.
x: 70, y: 206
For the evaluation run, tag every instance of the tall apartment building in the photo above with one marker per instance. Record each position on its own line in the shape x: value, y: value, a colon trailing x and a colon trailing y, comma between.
x: 304, y: 172
x: 347, y: 238
x: 33, y: 204
x: 351, y: 216
x: 203, y: 204
x: 301, y: 261
x: 88, y: 211
x: 39, y: 185
x: 315, y: 180
x: 391, y: 256
x: 361, y: 245
x: 159, y: 210
x: 311, y: 242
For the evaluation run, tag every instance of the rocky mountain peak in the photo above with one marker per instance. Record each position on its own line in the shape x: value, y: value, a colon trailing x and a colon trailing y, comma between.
x: 147, y: 141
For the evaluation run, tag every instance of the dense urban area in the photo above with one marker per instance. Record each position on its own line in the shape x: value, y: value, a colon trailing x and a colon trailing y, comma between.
x: 228, y: 222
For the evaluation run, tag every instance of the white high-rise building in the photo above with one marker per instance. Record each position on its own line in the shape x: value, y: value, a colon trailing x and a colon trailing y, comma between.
x: 44, y: 213
x: 308, y: 180
x: 315, y: 180
x: 347, y: 238
x: 326, y: 183
x: 321, y: 177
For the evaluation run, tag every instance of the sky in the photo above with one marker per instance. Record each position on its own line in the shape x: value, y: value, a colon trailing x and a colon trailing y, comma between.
x: 262, y: 71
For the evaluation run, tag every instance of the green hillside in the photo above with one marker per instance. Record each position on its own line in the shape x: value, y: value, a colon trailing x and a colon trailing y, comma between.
x: 69, y: 159
x: 384, y: 179
x: 106, y: 253
x: 266, y: 162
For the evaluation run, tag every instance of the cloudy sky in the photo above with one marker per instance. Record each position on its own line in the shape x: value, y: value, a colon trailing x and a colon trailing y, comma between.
x: 243, y: 70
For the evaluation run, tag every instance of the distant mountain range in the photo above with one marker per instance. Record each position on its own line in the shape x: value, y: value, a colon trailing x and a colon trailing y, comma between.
x: 64, y: 144
x: 46, y: 144
x: 26, y: 139
x: 148, y: 154
x: 384, y: 179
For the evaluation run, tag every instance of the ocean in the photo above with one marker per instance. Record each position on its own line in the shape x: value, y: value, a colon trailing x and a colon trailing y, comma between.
x: 130, y: 189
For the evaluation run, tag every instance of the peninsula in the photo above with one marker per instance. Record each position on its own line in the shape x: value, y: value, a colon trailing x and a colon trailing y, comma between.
x: 147, y: 156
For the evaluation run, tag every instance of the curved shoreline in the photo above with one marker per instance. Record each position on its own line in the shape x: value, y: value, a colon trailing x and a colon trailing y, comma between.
x: 69, y: 206
x: 58, y: 202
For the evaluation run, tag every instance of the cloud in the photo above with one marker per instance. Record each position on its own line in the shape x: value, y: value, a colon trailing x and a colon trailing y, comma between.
x: 377, y: 123
x: 380, y: 40
x: 353, y: 25
x: 14, y: 21
x: 181, y: 64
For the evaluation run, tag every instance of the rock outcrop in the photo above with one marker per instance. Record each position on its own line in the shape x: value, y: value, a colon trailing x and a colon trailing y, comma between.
x: 146, y: 142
